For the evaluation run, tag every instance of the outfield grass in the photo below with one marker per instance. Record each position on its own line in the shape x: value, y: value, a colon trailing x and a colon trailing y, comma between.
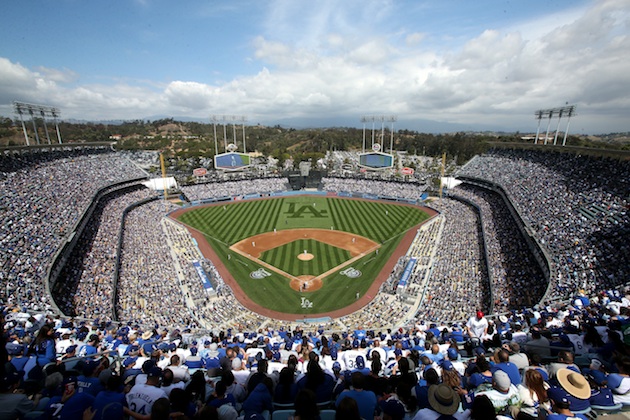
x: 226, y: 224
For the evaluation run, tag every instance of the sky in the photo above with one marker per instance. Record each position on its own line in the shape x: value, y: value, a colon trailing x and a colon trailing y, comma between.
x: 437, y: 66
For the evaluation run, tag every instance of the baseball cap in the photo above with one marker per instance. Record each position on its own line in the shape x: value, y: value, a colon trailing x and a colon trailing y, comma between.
x: 154, y: 372
x: 394, y: 409
x: 452, y: 353
x: 501, y: 379
x: 336, y: 367
x: 447, y: 365
x: 479, y: 314
x: 333, y: 353
x: 360, y: 362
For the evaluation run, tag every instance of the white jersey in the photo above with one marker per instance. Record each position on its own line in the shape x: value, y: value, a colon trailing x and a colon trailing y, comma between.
x: 142, y: 396
x: 350, y: 356
x: 62, y: 345
x: 578, y: 344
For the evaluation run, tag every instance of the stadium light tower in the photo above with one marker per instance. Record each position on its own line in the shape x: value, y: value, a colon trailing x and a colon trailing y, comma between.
x: 570, y: 113
x: 568, y: 110
x: 364, y: 119
x: 55, y: 113
x: 243, y: 119
x: 43, y: 112
x: 550, y: 113
x: 391, y: 119
x: 539, y: 117
x: 555, y: 137
x: 19, y: 111
x: 215, y: 119
x: 234, y: 120
x: 224, y: 121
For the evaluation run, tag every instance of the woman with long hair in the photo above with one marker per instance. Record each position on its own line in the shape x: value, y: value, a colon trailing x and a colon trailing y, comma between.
x: 317, y: 381
x: 43, y: 347
x: 533, y: 392
x: 286, y: 390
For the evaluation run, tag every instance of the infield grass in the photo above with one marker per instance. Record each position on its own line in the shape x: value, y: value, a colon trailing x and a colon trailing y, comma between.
x: 383, y: 222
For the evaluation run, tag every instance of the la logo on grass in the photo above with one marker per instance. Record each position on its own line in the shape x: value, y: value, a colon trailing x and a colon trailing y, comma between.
x: 306, y: 304
x: 295, y: 212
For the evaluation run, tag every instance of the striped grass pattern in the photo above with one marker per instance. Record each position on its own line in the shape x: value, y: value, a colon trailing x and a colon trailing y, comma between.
x: 326, y: 257
x: 380, y: 221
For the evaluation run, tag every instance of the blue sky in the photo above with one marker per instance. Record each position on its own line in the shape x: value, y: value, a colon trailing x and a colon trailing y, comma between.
x: 436, y: 65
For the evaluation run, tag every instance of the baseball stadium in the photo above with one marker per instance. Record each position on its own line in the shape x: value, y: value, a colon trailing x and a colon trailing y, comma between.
x: 241, y: 274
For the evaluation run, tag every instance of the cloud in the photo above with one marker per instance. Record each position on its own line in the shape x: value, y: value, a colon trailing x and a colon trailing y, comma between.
x: 326, y: 59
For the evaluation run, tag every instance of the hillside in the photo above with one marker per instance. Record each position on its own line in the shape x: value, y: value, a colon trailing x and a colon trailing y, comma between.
x: 179, y: 139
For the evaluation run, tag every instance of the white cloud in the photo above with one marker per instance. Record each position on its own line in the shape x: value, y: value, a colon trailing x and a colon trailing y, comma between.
x: 328, y: 60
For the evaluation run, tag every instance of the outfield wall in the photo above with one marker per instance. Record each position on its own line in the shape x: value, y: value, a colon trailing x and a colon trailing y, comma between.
x: 345, y: 194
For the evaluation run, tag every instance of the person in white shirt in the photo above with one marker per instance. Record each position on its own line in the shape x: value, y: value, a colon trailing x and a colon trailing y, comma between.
x: 167, y: 382
x: 141, y: 397
x: 477, y: 326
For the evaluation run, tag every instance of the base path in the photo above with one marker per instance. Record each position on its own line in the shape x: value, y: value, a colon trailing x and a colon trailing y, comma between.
x: 245, y: 300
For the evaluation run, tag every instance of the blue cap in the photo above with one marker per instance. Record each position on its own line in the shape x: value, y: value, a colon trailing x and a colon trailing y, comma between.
x: 360, y: 361
x: 452, y: 353
x: 336, y: 367
x: 447, y: 365
x: 129, y: 361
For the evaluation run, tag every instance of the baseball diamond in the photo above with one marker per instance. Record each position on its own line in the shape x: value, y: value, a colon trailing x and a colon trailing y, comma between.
x: 328, y: 250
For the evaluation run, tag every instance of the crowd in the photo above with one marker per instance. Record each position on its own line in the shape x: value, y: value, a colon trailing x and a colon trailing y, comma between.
x: 160, y: 297
x: 43, y: 195
x: 516, y: 277
x: 459, y: 277
x: 86, y: 285
x: 405, y: 190
x: 232, y: 188
x: 561, y: 361
x: 554, y: 193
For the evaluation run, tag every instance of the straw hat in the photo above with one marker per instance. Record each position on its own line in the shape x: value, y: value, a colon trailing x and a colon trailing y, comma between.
x: 574, y: 383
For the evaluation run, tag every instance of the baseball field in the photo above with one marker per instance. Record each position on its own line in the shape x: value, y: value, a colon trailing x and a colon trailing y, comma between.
x: 302, y: 255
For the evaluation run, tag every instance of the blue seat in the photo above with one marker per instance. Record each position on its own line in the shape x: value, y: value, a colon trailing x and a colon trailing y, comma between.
x: 282, y: 414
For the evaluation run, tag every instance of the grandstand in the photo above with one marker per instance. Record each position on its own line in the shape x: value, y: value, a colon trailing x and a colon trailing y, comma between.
x: 84, y: 241
x: 574, y: 229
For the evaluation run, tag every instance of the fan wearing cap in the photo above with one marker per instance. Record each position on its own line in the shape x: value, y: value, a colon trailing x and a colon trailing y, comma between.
x: 477, y: 326
x: 349, y: 357
x: 141, y: 397
x: 443, y: 403
x: 503, y: 393
x: 573, y: 387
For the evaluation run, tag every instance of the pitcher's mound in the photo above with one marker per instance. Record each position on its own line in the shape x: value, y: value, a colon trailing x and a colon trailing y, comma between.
x: 305, y: 257
x: 306, y: 283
